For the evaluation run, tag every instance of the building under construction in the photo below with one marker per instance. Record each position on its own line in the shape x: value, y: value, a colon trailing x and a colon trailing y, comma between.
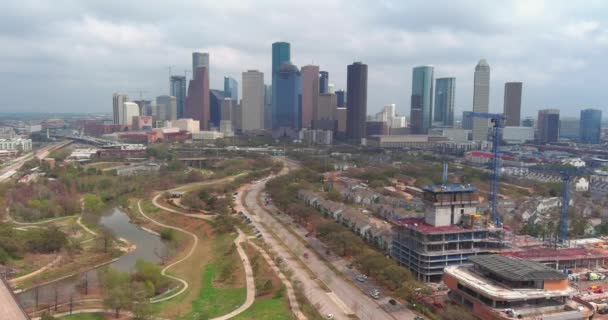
x: 450, y: 233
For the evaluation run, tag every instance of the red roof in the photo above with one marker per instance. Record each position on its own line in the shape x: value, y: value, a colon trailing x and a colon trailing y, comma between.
x: 480, y: 154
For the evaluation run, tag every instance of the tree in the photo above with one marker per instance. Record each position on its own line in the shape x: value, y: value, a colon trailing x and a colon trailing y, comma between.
x: 140, y: 306
x: 92, y: 203
x: 116, y: 289
x: 105, y: 239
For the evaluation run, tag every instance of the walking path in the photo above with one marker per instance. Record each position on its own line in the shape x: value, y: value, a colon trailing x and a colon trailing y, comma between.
x: 14, y: 281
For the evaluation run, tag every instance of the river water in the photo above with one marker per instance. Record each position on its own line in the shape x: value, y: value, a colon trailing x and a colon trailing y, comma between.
x: 118, y: 222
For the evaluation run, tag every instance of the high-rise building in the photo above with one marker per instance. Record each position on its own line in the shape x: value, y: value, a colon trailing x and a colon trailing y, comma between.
x: 330, y: 88
x: 310, y: 94
x: 129, y: 110
x: 481, y: 99
x: 227, y: 109
x: 591, y: 126
x: 281, y: 53
x: 527, y: 122
x: 467, y: 120
x: 145, y: 107
x: 118, y: 99
x: 215, y: 107
x: 323, y: 82
x: 512, y: 105
x: 548, y: 126
x: 286, y: 97
x: 197, y: 101
x: 166, y: 108
x: 444, y: 101
x: 356, y: 114
x: 253, y: 101
x: 178, y: 90
x: 326, y: 109
x: 267, y: 106
x: 200, y: 59
x: 422, y: 99
x: 569, y: 128
x: 341, y: 98
x: 231, y: 88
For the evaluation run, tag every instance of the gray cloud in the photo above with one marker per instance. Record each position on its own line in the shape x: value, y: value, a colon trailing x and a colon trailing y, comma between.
x: 71, y: 55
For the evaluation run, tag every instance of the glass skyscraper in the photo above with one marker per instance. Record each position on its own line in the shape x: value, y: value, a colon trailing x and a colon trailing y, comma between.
x: 444, y: 101
x: 323, y: 82
x: 341, y: 98
x: 281, y: 53
x: 422, y: 99
x: 286, y: 97
x: 231, y: 88
x: 215, y: 107
x: 591, y: 126
x: 356, y: 88
x: 178, y: 90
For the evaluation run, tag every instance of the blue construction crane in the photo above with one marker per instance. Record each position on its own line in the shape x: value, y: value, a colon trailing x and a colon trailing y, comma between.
x: 497, y: 121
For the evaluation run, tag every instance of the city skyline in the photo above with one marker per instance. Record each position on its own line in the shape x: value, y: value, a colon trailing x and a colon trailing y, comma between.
x: 134, y: 50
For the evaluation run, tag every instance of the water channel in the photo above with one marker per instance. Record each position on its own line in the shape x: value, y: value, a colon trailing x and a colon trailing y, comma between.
x: 146, y: 247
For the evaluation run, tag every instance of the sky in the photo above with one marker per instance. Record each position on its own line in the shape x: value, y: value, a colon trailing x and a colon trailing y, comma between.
x: 70, y: 56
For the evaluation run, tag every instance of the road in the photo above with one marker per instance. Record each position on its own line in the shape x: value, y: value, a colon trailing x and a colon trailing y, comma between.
x: 344, y: 298
x: 17, y: 163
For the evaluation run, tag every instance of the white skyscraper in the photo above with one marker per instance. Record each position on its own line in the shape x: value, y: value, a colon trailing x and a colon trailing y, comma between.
x: 117, y: 101
x: 166, y: 108
x: 481, y: 99
x: 129, y: 110
x: 252, y: 103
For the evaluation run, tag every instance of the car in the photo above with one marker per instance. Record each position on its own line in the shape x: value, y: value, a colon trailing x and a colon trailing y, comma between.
x: 392, y: 301
x: 361, y: 278
x: 259, y: 236
x: 330, y: 316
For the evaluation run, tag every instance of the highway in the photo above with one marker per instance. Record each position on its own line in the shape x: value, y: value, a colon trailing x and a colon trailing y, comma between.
x: 16, y: 164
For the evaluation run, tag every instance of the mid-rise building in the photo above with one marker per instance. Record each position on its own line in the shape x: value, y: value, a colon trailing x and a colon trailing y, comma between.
x: 118, y: 99
x: 197, y: 101
x: 481, y: 99
x: 502, y: 287
x: 129, y: 110
x: 591, y: 126
x: 166, y: 108
x: 178, y: 90
x: 16, y: 144
x: 286, y: 97
x: 548, y: 126
x: 231, y: 88
x: 517, y: 135
x: 310, y: 94
x: 356, y: 113
x: 185, y: 124
x: 314, y: 136
x: 445, y: 89
x: 512, y: 104
x: 253, y: 101
x: 569, y: 128
x: 421, y: 100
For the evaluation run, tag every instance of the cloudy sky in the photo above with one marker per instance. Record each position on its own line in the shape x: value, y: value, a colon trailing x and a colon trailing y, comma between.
x: 70, y: 56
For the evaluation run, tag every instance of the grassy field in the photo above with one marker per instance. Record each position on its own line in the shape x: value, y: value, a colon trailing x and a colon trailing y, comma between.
x: 267, y: 308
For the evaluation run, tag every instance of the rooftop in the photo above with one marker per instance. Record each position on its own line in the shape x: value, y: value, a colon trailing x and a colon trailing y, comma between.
x: 420, y: 225
x: 448, y: 188
x: 544, y: 253
x: 515, y: 269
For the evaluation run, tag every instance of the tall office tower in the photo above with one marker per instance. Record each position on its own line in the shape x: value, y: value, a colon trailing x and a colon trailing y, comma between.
x: 341, y: 98
x: 227, y: 109
x: 281, y: 53
x: 267, y: 106
x: 444, y: 101
x: 527, y: 122
x: 200, y: 59
x: 512, y: 106
x: 326, y: 109
x: 310, y: 94
x: 117, y: 101
x: 467, y: 120
x: 252, y: 103
x: 178, y: 90
x: 166, y: 107
x: 231, y: 88
x: 548, y: 125
x: 591, y: 126
x: 197, y: 101
x: 286, y: 97
x: 323, y: 82
x: 145, y: 107
x: 356, y: 87
x: 569, y: 128
x: 215, y: 106
x: 422, y: 99
x: 129, y: 110
x: 481, y: 99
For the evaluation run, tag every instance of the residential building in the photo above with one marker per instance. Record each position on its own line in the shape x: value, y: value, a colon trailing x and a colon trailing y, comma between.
x: 323, y: 82
x: 467, y: 120
x: 231, y: 88
x: 310, y: 94
x: 356, y: 113
x: 118, y: 99
x: 253, y: 101
x: 591, y: 126
x: 129, y: 110
x: 341, y: 98
x: 445, y: 89
x: 481, y: 100
x: 178, y: 90
x: 281, y: 54
x: 313, y: 136
x: 197, y: 102
x: 569, y: 128
x: 512, y: 104
x: 216, y: 97
x: 421, y: 100
x: 503, y: 287
x: 16, y: 144
x: 200, y: 59
x: 166, y: 108
x: 548, y: 126
x: 286, y: 97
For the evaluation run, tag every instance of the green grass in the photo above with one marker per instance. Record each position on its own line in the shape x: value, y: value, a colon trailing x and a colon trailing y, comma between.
x: 84, y: 316
x: 267, y: 308
x: 213, y: 301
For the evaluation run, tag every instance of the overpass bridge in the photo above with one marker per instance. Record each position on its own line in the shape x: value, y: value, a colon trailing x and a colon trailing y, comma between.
x: 10, y: 308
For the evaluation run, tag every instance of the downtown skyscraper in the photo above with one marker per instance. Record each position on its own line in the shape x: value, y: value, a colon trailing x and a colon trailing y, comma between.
x: 286, y: 97
x: 118, y: 99
x: 177, y: 88
x: 481, y: 99
x: 356, y: 113
x: 197, y: 102
x: 310, y: 94
x: 323, y: 82
x: 281, y: 53
x: 252, y: 105
x: 548, y: 126
x: 421, y: 100
x: 512, y: 104
x: 444, y: 102
x: 590, y: 126
x: 200, y: 59
x: 231, y: 88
